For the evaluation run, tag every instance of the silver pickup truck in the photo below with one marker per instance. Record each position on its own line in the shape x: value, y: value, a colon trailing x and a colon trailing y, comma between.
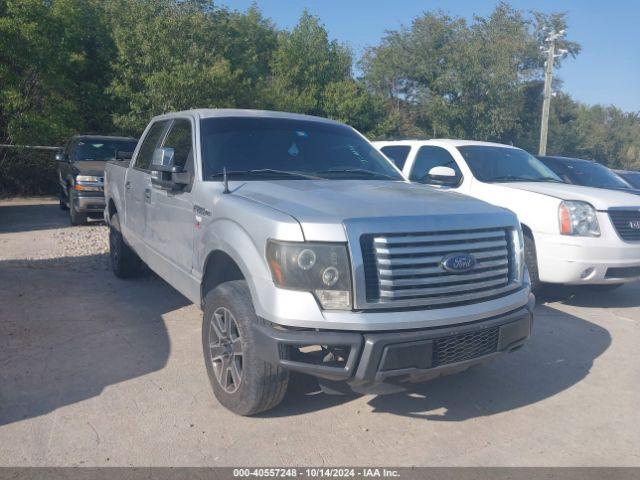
x: 308, y: 251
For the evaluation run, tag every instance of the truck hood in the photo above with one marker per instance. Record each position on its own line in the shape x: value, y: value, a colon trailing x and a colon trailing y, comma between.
x: 600, y: 198
x: 90, y: 167
x: 318, y: 204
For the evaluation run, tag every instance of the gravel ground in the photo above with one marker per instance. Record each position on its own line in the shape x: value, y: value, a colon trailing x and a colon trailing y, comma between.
x: 81, y: 249
x: 97, y: 371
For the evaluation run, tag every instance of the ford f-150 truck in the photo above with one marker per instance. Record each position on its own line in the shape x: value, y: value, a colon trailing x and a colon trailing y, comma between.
x: 308, y: 251
x: 574, y: 235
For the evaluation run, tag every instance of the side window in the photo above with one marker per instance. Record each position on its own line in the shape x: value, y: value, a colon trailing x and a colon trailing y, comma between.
x: 149, y: 144
x: 430, y: 156
x: 179, y: 138
x: 397, y: 153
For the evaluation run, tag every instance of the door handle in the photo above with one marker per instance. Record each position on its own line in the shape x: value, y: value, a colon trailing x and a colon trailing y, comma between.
x: 147, y: 195
x: 127, y: 185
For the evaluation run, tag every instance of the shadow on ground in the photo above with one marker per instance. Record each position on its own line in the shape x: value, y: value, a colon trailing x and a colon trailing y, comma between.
x: 26, y: 218
x: 85, y: 263
x: 626, y: 296
x: 65, y: 336
x: 32, y: 217
x: 559, y: 354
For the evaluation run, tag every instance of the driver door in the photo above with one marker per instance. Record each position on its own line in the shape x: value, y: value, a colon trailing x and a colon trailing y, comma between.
x: 171, y: 217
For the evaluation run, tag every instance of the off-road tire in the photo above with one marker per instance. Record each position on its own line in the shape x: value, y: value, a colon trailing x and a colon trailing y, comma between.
x: 75, y: 217
x: 124, y: 261
x: 262, y: 385
x: 531, y: 260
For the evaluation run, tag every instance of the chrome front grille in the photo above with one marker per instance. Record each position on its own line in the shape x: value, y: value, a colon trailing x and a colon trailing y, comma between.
x: 626, y: 223
x: 405, y: 269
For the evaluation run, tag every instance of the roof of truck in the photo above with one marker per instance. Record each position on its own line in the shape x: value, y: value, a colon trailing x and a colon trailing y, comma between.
x: 238, y: 112
x: 443, y: 141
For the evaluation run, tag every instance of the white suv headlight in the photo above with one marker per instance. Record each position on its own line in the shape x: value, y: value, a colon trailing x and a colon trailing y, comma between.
x: 578, y: 219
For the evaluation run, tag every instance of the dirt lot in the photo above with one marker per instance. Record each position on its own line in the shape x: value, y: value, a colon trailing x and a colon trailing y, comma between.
x: 100, y: 371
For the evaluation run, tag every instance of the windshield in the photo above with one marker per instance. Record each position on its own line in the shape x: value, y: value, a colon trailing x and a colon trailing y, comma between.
x: 102, y: 149
x: 633, y: 178
x: 590, y: 174
x: 501, y: 164
x: 253, y: 148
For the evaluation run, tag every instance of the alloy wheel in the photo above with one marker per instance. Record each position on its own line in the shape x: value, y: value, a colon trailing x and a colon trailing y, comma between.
x: 225, y: 349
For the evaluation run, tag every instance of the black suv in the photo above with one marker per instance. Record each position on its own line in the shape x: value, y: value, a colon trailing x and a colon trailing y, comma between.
x: 81, y: 173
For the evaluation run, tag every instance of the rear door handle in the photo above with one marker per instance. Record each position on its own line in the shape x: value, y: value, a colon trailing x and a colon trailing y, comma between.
x: 127, y: 185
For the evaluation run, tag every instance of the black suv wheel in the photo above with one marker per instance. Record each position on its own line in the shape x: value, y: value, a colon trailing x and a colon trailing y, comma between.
x: 75, y: 217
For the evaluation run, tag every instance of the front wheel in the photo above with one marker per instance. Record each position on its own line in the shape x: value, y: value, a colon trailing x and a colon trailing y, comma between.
x: 124, y: 261
x: 241, y: 381
x: 75, y: 217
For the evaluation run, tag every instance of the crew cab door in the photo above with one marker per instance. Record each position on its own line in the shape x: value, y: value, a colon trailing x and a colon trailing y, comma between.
x: 137, y: 189
x: 171, y: 217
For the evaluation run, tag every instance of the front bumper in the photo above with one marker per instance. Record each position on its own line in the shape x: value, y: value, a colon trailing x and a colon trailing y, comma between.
x: 89, y: 202
x: 375, y: 359
x: 587, y: 261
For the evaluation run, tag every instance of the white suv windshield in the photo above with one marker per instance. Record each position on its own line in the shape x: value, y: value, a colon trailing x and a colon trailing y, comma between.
x: 502, y: 164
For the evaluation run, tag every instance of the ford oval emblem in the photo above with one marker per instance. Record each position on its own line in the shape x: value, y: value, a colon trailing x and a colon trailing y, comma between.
x: 458, y: 262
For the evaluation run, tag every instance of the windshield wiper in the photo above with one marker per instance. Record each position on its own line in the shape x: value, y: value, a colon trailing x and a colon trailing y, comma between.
x: 357, y: 171
x: 265, y: 171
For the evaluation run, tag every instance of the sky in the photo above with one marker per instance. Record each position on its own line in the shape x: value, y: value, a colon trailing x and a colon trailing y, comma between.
x: 607, y: 71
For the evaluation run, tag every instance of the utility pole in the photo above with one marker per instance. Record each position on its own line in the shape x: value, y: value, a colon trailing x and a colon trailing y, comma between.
x: 548, y: 80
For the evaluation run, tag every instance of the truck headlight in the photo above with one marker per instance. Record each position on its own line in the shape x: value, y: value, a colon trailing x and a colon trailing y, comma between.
x: 88, y: 183
x: 320, y: 268
x: 87, y: 178
x: 579, y: 219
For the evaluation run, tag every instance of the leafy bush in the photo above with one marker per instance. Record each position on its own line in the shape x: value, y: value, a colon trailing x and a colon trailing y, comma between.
x: 27, y: 172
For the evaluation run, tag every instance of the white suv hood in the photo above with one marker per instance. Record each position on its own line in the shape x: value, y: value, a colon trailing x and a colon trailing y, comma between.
x: 601, y: 199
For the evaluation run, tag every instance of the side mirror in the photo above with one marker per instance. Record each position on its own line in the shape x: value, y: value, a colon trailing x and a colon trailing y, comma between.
x: 443, y: 176
x: 165, y: 174
x: 163, y: 160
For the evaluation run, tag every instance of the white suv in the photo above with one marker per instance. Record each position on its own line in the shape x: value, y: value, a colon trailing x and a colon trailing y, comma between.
x: 573, y: 235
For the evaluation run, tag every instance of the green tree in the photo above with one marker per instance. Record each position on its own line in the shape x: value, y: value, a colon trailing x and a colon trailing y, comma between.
x: 170, y: 57
x: 54, y: 67
x: 349, y: 102
x: 304, y: 64
x: 451, y: 78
